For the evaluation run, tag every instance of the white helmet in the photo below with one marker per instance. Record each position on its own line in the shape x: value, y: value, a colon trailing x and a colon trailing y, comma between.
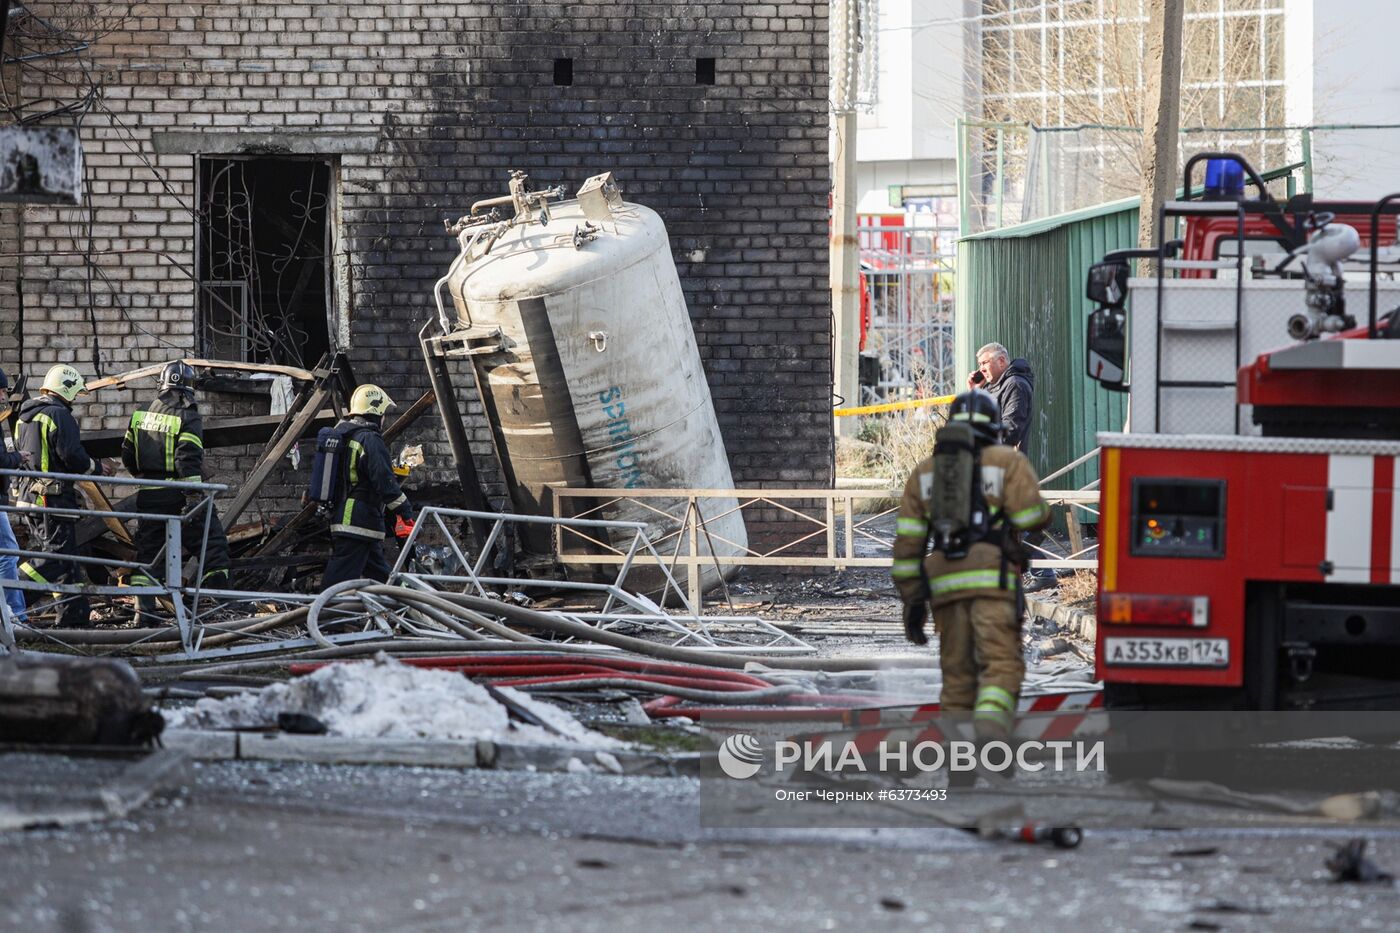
x: 370, y: 400
x: 64, y: 381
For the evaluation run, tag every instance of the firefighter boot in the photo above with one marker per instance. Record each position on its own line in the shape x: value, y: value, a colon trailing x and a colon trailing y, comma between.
x: 1001, y: 666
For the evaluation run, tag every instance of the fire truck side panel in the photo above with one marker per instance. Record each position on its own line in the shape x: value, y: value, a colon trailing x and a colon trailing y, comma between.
x: 1286, y: 517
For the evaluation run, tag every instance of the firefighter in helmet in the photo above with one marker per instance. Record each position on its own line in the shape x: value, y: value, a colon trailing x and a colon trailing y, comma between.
x: 165, y: 441
x: 369, y: 489
x: 49, y: 433
x: 970, y: 578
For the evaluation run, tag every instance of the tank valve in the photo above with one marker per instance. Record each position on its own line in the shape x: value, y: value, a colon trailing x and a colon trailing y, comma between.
x: 585, y: 234
x: 599, y: 338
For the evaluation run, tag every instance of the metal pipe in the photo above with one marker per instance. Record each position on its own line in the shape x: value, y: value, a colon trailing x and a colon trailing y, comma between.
x: 488, y: 203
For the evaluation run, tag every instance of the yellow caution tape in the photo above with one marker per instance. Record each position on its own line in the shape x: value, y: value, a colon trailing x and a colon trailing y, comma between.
x: 894, y: 406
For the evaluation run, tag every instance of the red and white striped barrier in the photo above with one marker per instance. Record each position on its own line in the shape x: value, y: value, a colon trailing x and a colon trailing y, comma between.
x: 1050, y: 717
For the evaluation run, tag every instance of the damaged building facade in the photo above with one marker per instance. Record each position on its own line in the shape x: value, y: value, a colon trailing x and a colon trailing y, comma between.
x: 268, y: 182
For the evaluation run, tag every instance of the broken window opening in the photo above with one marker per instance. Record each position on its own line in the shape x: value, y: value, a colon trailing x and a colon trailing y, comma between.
x: 264, y: 237
x: 563, y: 71
x: 704, y: 71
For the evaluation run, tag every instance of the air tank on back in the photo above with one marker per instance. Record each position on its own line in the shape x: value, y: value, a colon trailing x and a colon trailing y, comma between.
x: 574, y: 319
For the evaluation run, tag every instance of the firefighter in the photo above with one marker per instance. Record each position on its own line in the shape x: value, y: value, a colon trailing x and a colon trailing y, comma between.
x: 48, y: 432
x: 370, y: 489
x: 165, y: 441
x: 972, y: 583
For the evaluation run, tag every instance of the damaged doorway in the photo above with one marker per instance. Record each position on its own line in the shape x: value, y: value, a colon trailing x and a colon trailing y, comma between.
x: 265, y: 232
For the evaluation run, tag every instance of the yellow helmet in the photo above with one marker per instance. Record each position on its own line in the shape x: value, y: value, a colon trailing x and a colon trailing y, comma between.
x: 65, y: 382
x: 370, y: 400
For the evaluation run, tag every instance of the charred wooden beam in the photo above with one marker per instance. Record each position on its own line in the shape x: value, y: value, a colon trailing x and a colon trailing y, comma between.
x: 227, y: 432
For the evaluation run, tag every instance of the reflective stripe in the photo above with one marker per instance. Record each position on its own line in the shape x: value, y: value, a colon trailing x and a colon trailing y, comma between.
x: 909, y: 567
x: 356, y: 449
x: 140, y: 579
x: 911, y: 526
x: 1002, y: 718
x: 995, y: 698
x: 188, y: 438
x: 28, y: 570
x: 215, y: 573
x: 163, y: 429
x: 1029, y: 516
x: 966, y: 580
x: 356, y: 531
x: 972, y: 416
x: 192, y: 479
x: 394, y: 506
x: 46, y: 425
x: 349, y: 511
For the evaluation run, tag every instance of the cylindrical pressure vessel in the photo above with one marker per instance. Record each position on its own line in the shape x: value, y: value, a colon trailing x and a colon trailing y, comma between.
x: 595, y: 379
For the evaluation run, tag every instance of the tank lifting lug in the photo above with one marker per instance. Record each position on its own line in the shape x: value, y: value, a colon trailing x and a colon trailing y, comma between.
x: 599, y: 338
x: 1300, y: 659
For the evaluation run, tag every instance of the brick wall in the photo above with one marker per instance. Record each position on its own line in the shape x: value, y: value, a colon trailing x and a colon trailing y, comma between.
x: 425, y: 108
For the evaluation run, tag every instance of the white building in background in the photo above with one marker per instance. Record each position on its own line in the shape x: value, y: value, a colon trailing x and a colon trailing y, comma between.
x: 1341, y: 69
x: 910, y: 138
x: 1337, y: 67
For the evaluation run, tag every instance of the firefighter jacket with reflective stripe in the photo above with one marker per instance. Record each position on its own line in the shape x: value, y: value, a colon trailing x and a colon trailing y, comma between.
x: 48, y: 430
x: 369, y: 483
x: 165, y: 440
x: 1012, y: 491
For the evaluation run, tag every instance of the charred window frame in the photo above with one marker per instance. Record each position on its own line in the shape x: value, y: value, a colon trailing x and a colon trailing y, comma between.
x: 264, y: 255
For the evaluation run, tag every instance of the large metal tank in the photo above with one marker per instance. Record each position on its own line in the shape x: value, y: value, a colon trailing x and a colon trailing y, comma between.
x: 594, y: 378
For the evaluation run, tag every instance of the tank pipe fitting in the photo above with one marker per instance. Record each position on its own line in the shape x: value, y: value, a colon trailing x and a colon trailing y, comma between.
x: 485, y: 203
x: 466, y: 245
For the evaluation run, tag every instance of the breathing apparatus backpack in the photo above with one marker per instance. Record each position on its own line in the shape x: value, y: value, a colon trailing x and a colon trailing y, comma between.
x: 327, y: 467
x: 958, y: 513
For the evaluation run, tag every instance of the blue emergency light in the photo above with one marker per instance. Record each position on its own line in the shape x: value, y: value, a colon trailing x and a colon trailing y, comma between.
x: 1224, y: 180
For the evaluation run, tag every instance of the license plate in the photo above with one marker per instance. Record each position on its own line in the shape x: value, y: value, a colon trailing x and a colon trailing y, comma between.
x: 1167, y: 652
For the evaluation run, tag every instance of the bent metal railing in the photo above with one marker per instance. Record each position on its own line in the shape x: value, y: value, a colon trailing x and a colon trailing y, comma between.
x: 169, y: 575
x: 824, y: 528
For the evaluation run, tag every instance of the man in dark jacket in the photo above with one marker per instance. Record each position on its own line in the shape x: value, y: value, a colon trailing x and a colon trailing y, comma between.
x: 369, y: 490
x: 165, y: 441
x: 1012, y: 384
x: 49, y: 433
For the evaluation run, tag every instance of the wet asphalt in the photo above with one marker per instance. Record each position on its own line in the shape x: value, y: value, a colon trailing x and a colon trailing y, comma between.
x: 273, y: 846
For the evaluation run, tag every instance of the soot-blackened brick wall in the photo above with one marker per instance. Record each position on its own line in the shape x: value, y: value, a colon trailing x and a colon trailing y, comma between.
x: 424, y: 108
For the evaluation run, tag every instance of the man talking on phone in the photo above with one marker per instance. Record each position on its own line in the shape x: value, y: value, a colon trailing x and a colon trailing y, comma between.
x: 1012, y: 384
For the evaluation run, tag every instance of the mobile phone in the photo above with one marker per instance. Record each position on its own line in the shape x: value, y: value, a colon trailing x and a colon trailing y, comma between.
x: 978, y: 378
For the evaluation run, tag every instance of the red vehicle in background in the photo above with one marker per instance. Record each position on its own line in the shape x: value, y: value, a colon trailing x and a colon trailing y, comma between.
x: 1249, y: 551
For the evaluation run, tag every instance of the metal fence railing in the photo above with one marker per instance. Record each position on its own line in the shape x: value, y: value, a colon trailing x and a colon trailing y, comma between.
x: 826, y: 528
x: 169, y: 573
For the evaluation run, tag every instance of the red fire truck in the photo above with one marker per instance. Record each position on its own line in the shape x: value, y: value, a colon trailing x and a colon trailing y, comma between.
x: 1249, y: 551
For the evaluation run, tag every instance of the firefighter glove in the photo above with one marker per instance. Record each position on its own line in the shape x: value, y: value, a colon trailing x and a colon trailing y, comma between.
x: 403, y: 527
x: 915, y: 616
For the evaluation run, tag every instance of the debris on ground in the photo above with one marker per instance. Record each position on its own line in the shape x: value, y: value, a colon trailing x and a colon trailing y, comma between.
x: 383, y: 698
x: 1348, y: 862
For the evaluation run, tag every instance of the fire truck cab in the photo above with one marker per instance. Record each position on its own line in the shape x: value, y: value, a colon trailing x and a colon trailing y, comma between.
x: 1249, y: 534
